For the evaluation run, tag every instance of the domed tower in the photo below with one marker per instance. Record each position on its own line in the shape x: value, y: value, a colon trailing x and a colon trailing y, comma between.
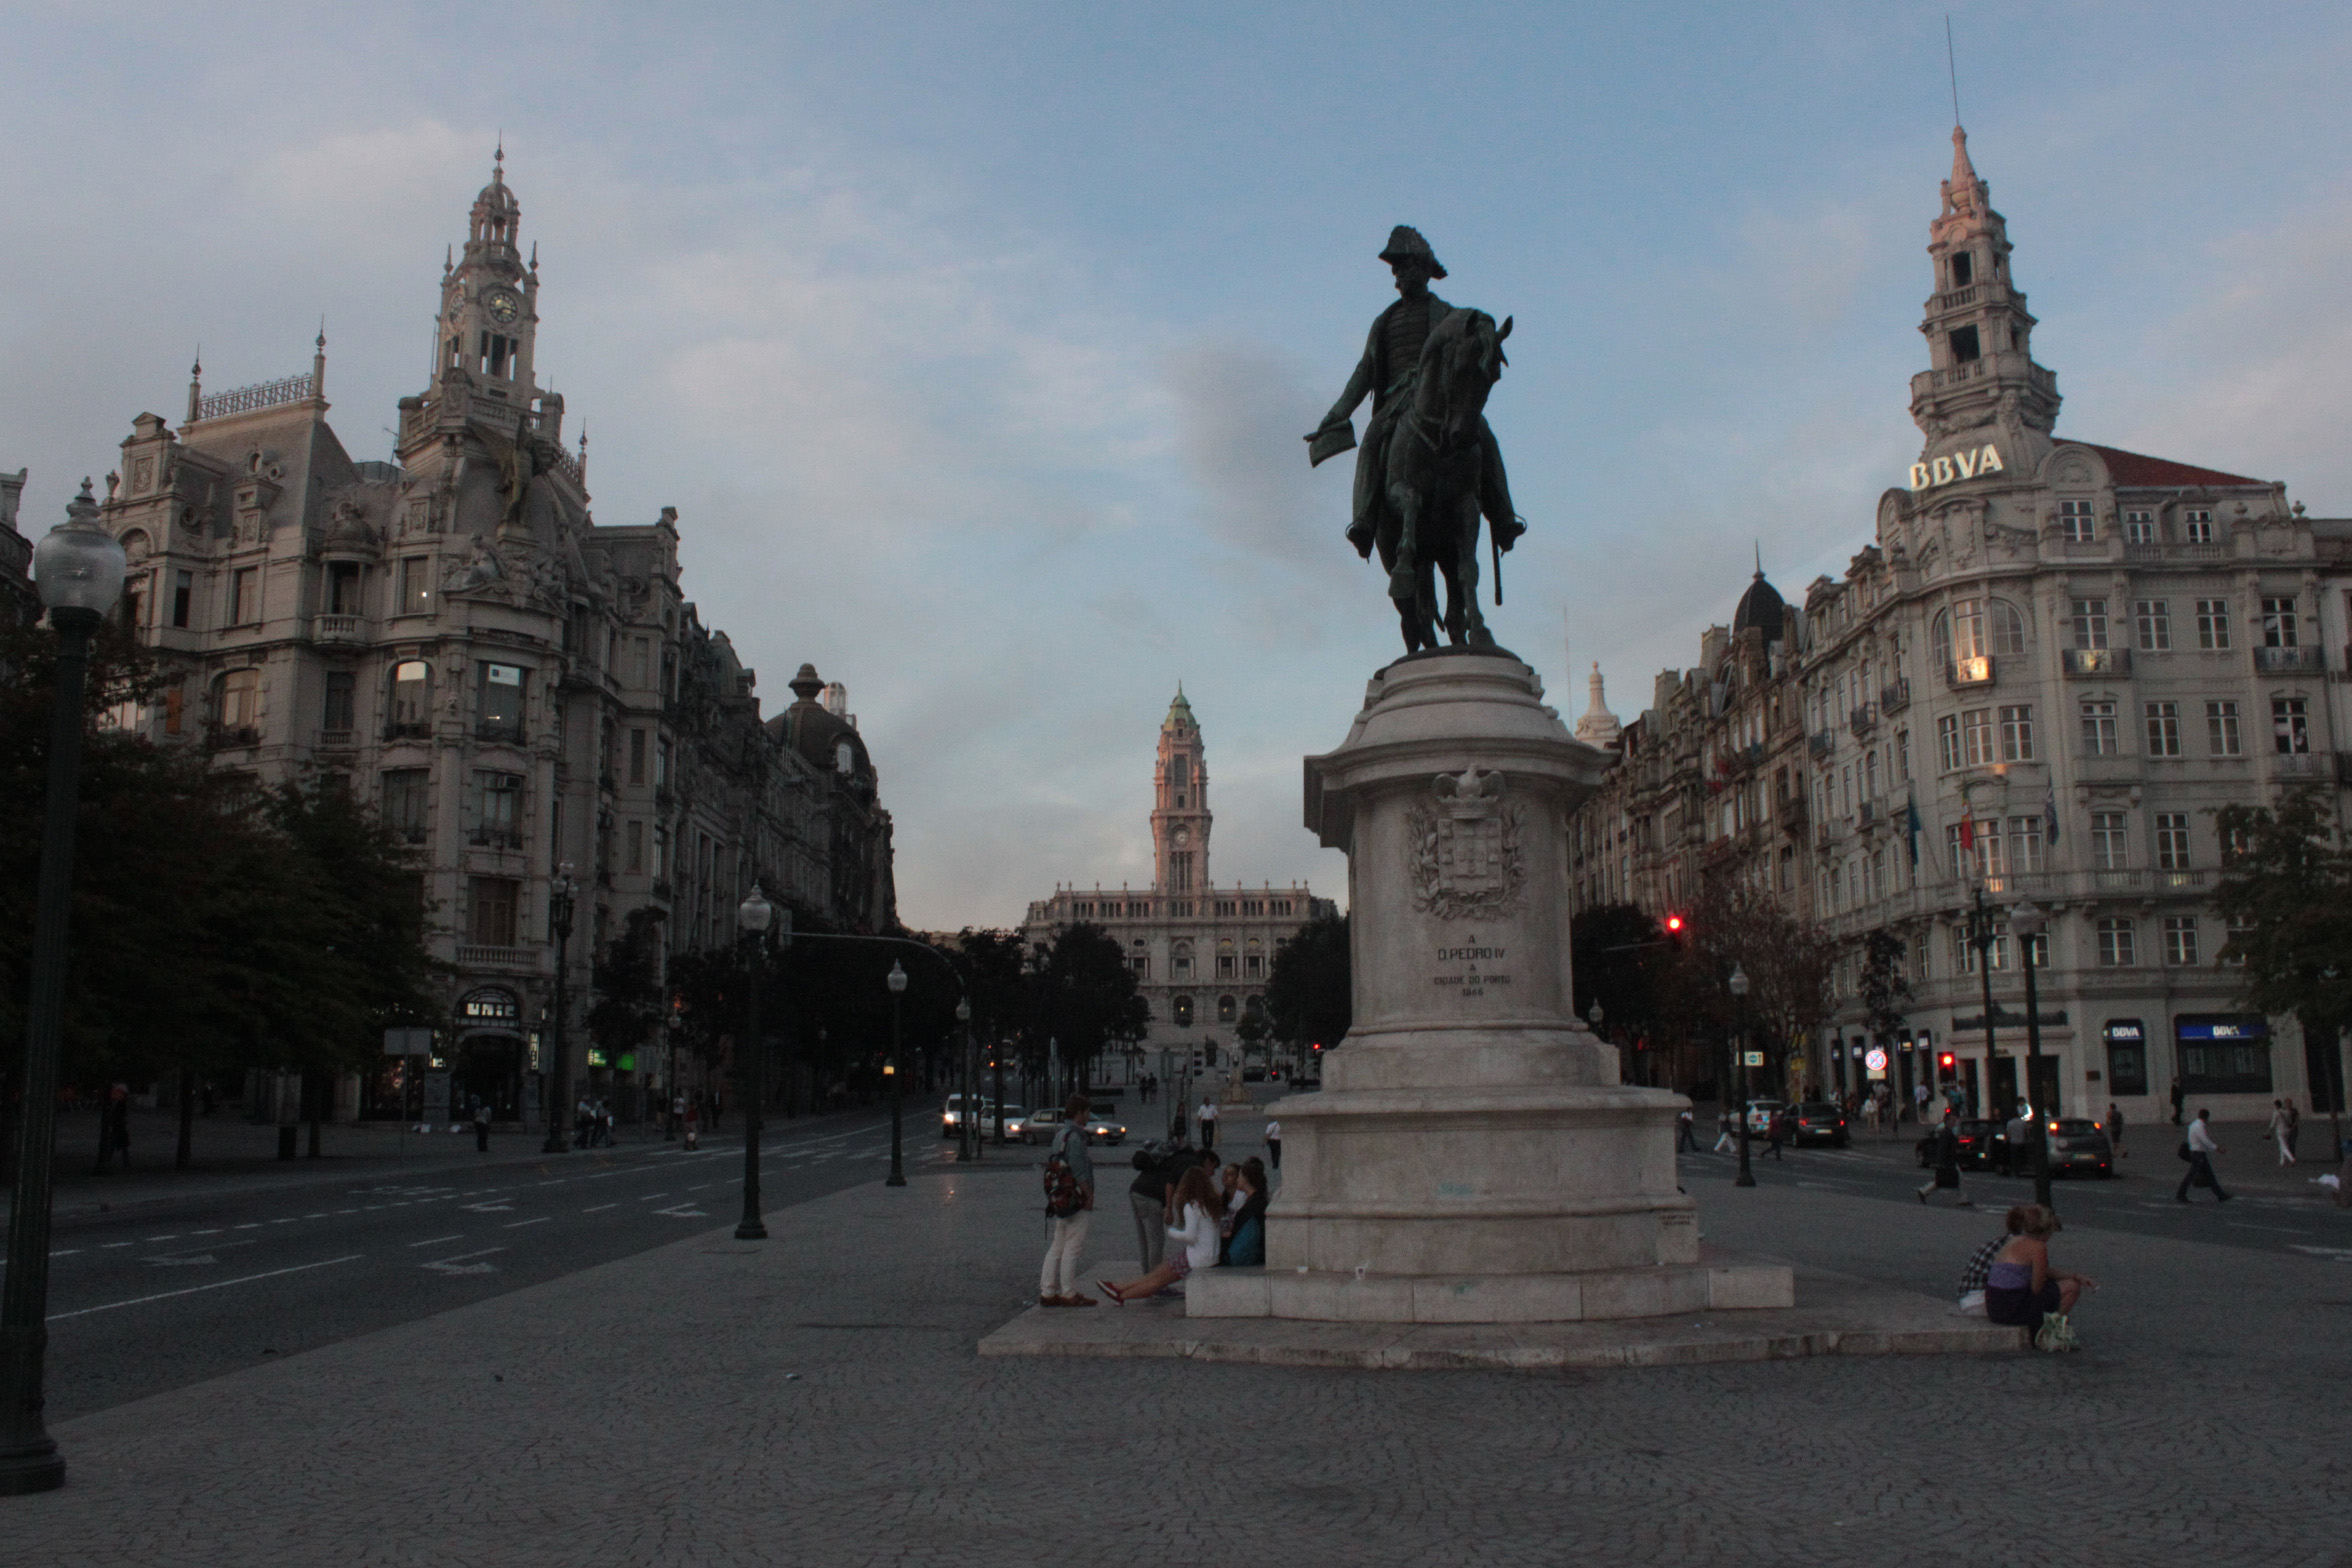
x: 1761, y: 606
x: 1180, y: 805
x: 490, y: 299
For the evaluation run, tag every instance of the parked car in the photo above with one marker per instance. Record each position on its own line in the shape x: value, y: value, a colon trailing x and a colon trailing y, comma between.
x: 1760, y: 1114
x: 1013, y: 1119
x: 1040, y: 1125
x: 1818, y: 1121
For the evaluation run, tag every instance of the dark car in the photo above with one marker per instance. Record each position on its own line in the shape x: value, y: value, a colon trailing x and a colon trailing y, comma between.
x: 1978, y: 1138
x: 2078, y: 1144
x: 1818, y: 1121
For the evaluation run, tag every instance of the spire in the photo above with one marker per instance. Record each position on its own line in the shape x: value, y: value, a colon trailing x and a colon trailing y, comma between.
x: 1983, y: 392
x: 1598, y: 727
x: 196, y: 386
x: 318, y: 364
x: 1964, y: 193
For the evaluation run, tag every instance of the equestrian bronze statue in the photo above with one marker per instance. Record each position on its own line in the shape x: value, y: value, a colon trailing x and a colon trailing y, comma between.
x: 1428, y: 468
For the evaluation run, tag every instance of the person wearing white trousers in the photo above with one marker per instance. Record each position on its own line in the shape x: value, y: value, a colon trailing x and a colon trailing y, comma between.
x: 1057, y: 1280
x: 2278, y: 1132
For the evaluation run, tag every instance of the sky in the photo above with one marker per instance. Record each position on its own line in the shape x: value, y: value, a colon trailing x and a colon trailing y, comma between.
x: 975, y: 343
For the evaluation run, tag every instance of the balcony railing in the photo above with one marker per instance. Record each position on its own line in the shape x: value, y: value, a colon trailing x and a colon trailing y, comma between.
x: 2290, y: 661
x: 265, y: 394
x: 1824, y: 743
x: 496, y: 838
x: 2097, y: 663
x: 335, y: 740
x: 335, y: 628
x: 1895, y: 698
x: 1862, y: 720
x: 483, y: 955
x: 1790, y: 812
x: 227, y: 737
x: 2302, y: 765
x: 408, y: 729
x: 2175, y: 552
x: 510, y: 733
x: 1969, y: 672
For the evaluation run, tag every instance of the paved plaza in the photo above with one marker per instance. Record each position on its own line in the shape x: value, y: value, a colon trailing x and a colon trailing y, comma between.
x: 817, y: 1399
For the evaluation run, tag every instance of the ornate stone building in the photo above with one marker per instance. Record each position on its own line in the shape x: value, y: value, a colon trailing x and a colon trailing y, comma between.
x: 2053, y: 664
x: 1201, y: 953
x: 514, y: 685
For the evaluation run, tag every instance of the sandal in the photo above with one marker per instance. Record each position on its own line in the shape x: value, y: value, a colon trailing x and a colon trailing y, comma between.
x: 1110, y: 1290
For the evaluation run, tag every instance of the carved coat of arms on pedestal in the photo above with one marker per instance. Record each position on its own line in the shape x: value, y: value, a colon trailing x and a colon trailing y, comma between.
x: 1466, y: 860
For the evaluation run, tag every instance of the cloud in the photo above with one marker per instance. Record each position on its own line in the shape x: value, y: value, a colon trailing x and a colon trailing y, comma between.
x: 1240, y: 409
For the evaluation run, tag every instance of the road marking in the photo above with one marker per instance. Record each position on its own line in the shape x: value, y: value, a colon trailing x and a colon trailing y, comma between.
x: 107, y: 1244
x: 457, y: 1264
x: 600, y: 1208
x: 683, y: 1211
x: 213, y: 1232
x: 174, y: 1236
x: 182, y: 1260
x: 320, y: 1215
x: 2282, y: 1230
x: 650, y: 1196
x: 250, y: 1225
x: 287, y: 1221
x: 437, y: 1240
x: 63, y: 1252
x: 460, y: 1257
x: 498, y: 1206
x: 218, y: 1284
x: 519, y: 1224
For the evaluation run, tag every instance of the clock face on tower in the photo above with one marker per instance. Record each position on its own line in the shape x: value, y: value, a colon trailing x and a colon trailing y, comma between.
x: 504, y: 305
x: 1183, y: 836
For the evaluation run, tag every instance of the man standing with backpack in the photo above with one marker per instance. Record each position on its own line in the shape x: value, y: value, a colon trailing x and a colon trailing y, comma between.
x: 1069, y: 1205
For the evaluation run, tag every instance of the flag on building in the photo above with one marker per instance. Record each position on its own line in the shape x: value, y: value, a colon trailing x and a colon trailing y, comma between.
x: 1911, y: 828
x: 2050, y: 814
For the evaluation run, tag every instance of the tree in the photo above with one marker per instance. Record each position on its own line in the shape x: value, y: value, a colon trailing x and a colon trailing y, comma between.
x: 1885, y: 989
x: 1084, y: 996
x: 1310, y: 995
x: 631, y: 1001
x: 1789, y: 963
x: 1616, y: 954
x: 2286, y: 891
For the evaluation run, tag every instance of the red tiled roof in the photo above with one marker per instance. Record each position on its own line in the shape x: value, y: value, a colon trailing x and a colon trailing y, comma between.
x: 2134, y: 469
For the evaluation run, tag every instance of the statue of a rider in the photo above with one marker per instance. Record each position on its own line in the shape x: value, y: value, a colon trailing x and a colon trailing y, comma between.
x: 1392, y: 355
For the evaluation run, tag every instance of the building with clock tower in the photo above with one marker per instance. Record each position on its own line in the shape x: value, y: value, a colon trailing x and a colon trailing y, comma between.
x: 1201, y: 953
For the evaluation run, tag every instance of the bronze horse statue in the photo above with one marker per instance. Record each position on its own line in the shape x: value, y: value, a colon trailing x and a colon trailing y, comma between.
x: 1433, y: 463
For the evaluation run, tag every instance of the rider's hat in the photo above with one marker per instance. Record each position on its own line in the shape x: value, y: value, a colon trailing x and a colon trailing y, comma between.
x: 1404, y: 240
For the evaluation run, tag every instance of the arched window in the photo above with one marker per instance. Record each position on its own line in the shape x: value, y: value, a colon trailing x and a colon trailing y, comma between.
x: 1182, y: 1011
x: 1228, y: 1009
x: 2008, y: 628
x: 412, y: 699
x: 236, y: 702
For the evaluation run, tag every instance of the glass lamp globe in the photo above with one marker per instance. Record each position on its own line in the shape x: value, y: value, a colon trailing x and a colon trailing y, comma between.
x: 897, y: 979
x: 78, y: 565
x: 755, y: 912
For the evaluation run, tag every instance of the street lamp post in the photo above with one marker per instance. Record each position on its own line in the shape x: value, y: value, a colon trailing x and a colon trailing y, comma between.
x: 1739, y: 997
x: 557, y: 1081
x: 898, y: 984
x: 670, y: 1081
x: 2026, y: 920
x: 750, y: 1063
x: 1981, y: 937
x: 968, y: 1137
x: 79, y: 568
x: 996, y: 1056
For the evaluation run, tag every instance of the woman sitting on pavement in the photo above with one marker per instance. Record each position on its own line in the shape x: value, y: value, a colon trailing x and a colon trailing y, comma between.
x: 2021, y: 1288
x: 1245, y: 1237
x: 1196, y: 1207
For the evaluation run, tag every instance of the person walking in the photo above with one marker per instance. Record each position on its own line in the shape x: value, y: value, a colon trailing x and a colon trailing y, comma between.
x: 2276, y: 1130
x: 1208, y: 1122
x: 2115, y: 1127
x: 2198, y: 1148
x: 694, y: 1123
x: 1684, y: 1135
x: 1919, y: 1099
x: 1726, y: 1138
x: 2294, y: 1128
x: 1068, y: 1214
x: 2178, y: 1098
x: 1775, y: 1129
x: 114, y: 1128
x: 1274, y: 1143
x: 482, y: 1126
x: 1946, y: 1176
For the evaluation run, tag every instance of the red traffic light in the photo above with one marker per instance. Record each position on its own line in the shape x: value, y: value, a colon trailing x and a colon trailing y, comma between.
x: 1945, y: 1061
x: 1674, y: 925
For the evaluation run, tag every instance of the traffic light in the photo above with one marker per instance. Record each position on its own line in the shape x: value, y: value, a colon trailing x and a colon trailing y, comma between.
x: 1674, y: 923
x: 1945, y: 1063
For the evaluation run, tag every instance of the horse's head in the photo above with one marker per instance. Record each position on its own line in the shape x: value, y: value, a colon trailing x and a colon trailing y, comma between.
x: 1459, y: 367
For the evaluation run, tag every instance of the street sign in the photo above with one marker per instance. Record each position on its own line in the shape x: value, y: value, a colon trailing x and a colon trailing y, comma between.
x: 408, y: 1042
x: 1752, y: 1058
x: 1877, y: 1059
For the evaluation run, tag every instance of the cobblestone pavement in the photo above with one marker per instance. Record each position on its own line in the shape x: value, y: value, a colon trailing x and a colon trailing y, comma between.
x: 816, y: 1399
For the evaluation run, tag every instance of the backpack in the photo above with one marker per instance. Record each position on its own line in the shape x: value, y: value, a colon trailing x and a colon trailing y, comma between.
x: 1063, y: 1196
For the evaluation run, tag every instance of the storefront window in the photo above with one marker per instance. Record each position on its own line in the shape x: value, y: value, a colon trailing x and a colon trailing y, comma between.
x: 2127, y: 1056
x: 2223, y: 1054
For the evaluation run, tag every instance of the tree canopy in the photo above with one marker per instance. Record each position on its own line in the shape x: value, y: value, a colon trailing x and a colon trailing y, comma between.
x: 1309, y: 995
x: 2286, y: 890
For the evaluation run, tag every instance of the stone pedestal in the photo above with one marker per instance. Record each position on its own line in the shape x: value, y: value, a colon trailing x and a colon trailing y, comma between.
x: 1471, y: 1156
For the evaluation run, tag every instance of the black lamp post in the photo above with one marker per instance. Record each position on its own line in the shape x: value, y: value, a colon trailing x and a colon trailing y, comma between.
x: 79, y: 568
x: 1739, y: 997
x: 898, y: 984
x: 669, y: 1111
x: 558, y: 1079
x: 996, y: 1058
x: 750, y: 1060
x: 969, y: 1134
x: 2026, y: 920
x: 1981, y: 936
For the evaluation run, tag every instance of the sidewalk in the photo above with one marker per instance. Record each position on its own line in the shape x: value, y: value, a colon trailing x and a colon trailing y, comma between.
x: 816, y: 1399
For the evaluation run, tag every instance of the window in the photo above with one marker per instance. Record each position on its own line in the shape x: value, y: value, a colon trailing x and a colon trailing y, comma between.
x: 1253, y: 965
x: 2025, y: 845
x: 1181, y: 1010
x: 2152, y: 619
x: 490, y: 911
x: 1976, y: 736
x: 1228, y: 1009
x: 2180, y: 940
x: 2172, y: 841
x: 2164, y: 737
x: 661, y: 764
x: 636, y: 756
x: 236, y: 700
x: 1964, y: 345
x: 2118, y: 943
x: 2213, y: 620
x: 244, y: 595
x: 1226, y: 967
x: 502, y: 701
x: 343, y: 588
x: 2098, y: 728
x: 634, y: 837
x: 2235, y: 933
x: 342, y: 702
x: 2139, y: 528
x: 2278, y: 623
x: 1948, y: 741
x: 2290, y: 729
x: 405, y: 793
x: 416, y: 585
x: 498, y: 809
x: 1963, y: 269
x: 175, y: 708
x: 2197, y: 525
x: 2017, y: 735
x: 2076, y: 525
x: 2110, y: 849
x: 1903, y: 755
x: 183, y: 597
x: 844, y: 758
x: 2090, y: 623
x: 2221, y: 729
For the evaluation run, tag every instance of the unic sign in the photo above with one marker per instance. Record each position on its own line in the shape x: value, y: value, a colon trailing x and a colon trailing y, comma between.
x: 1985, y: 459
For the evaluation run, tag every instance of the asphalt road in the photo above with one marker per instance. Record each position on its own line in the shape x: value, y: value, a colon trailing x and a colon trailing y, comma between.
x: 2269, y: 1211
x: 179, y: 1291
